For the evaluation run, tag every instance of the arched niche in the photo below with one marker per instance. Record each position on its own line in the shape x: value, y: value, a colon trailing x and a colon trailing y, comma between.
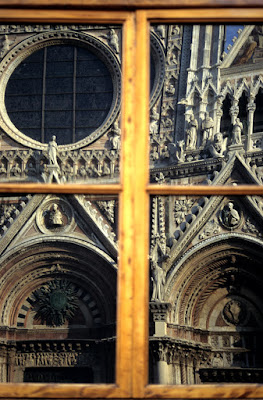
x: 28, y: 269
x: 242, y: 115
x: 226, y: 118
x: 216, y: 294
x: 258, y: 115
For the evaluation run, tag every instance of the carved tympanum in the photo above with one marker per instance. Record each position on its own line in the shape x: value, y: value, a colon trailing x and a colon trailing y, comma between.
x: 57, y: 303
x: 234, y: 312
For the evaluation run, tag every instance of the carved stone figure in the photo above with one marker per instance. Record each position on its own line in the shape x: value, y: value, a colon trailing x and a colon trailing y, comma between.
x: 5, y: 45
x: 16, y: 170
x: 234, y: 312
x: 218, y: 360
x: 191, y: 134
x: 115, y: 137
x: 158, y: 279
x: 31, y: 170
x: 154, y: 121
x: 230, y: 216
x: 55, y: 216
x: 52, y: 151
x: 114, y: 40
x: 236, y: 132
x: 207, y: 128
x: 180, y: 155
x: 2, y: 169
x: 218, y: 147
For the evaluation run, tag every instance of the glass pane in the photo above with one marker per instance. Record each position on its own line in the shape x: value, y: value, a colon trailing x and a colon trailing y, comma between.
x: 206, y: 302
x: 58, y: 288
x: 206, y: 121
x: 60, y: 87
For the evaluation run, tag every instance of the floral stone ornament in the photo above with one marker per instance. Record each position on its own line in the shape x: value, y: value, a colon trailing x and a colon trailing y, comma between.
x: 57, y: 303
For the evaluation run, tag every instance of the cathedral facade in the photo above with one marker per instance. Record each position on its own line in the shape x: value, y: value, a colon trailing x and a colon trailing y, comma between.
x: 60, y: 122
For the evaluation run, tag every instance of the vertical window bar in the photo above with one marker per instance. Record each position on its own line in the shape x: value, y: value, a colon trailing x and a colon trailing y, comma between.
x: 74, y: 96
x: 43, y: 96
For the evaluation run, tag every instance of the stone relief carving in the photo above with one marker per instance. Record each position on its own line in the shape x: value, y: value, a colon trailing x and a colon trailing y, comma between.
x: 56, y: 303
x: 115, y: 137
x: 162, y: 135
x: 55, y: 215
x: 191, y: 133
x: 235, y: 312
x: 181, y: 209
x: 249, y: 227
x: 108, y: 206
x: 230, y: 217
x: 73, y: 166
x: 10, y: 211
x: 211, y: 228
x: 5, y: 45
x: 158, y: 280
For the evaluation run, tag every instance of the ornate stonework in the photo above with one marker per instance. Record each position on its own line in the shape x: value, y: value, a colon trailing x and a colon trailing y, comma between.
x: 55, y: 216
x: 56, y: 303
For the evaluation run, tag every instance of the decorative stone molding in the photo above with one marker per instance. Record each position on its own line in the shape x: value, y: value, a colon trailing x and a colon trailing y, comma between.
x: 55, y: 37
x: 160, y: 311
x: 55, y: 215
x: 73, y: 166
x: 56, y: 302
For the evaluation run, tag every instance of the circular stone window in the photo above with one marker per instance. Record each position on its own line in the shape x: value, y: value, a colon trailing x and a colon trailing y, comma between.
x: 60, y: 90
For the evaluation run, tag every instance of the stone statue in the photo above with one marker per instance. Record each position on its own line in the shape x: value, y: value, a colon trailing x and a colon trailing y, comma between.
x: 236, y: 132
x: 230, y: 215
x: 191, y: 133
x: 113, y: 40
x: 115, y: 137
x: 218, y: 147
x: 234, y: 312
x: 154, y: 121
x: 52, y: 151
x: 207, y: 128
x: 55, y: 216
x: 180, y: 155
x: 158, y: 279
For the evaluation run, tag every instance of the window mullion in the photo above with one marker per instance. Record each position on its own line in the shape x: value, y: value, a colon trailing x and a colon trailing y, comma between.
x: 141, y: 207
x: 43, y: 96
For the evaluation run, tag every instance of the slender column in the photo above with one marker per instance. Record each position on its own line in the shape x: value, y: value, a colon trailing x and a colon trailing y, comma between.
x: 162, y: 372
x: 251, y: 107
x: 3, y: 364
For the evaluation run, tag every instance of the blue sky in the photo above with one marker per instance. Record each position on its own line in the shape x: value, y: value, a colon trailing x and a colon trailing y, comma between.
x: 231, y: 31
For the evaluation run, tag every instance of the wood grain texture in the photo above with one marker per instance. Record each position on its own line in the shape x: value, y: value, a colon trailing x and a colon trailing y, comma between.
x: 141, y: 209
x: 126, y: 217
x: 132, y: 330
x: 206, y: 391
x: 20, y: 15
x: 238, y: 190
x: 207, y: 15
x: 129, y: 4
x: 57, y: 391
x: 7, y: 188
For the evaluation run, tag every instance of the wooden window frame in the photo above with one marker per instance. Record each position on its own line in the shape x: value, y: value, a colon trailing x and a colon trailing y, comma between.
x: 134, y: 189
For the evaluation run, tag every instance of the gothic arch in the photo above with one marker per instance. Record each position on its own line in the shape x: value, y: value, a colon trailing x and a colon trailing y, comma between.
x: 38, y: 262
x: 208, y: 270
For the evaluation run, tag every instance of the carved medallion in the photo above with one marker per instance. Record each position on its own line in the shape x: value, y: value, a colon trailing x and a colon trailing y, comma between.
x: 230, y: 216
x: 57, y: 303
x: 55, y: 216
x: 235, y: 312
